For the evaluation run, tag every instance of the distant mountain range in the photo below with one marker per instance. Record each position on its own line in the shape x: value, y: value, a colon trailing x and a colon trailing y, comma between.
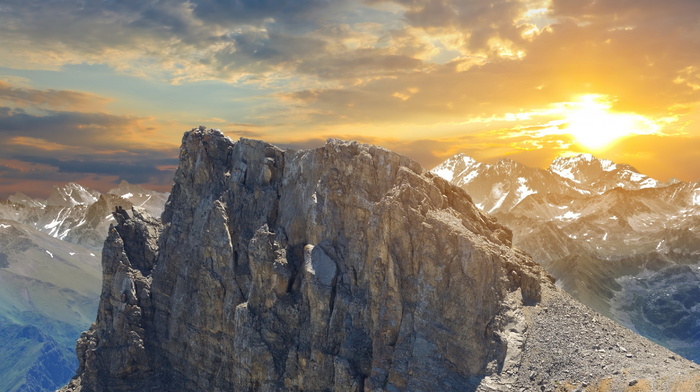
x: 77, y: 214
x: 50, y: 277
x: 619, y: 241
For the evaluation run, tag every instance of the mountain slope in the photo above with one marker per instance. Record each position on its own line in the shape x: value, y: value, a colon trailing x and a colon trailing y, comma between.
x: 346, y: 268
x: 600, y: 228
x: 31, y: 361
x: 50, y: 276
x: 47, y: 291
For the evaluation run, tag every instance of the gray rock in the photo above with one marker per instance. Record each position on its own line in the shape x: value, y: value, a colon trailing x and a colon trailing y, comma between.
x: 343, y: 268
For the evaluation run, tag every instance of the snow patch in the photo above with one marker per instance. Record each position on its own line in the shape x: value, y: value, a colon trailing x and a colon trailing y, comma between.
x: 469, y: 177
x: 3, y: 226
x: 607, y: 165
x: 50, y: 254
x: 445, y: 173
x: 145, y: 201
x: 605, y: 237
x: 127, y: 195
x: 497, y: 191
x: 523, y: 190
x: 564, y: 172
x: 71, y: 253
x: 696, y: 197
x: 92, y: 254
x: 649, y: 183
x: 569, y: 215
x: 636, y: 177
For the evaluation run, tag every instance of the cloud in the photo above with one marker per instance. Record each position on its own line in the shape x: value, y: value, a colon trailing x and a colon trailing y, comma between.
x: 51, y: 99
x: 41, y: 146
x: 431, y: 76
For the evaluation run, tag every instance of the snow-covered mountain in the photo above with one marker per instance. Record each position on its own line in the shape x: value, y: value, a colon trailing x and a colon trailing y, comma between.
x: 152, y: 201
x: 603, y: 229
x: 78, y: 214
x: 50, y: 277
x: 501, y: 186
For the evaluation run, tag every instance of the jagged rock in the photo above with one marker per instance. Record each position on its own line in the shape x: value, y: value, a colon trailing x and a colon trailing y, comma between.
x: 345, y: 268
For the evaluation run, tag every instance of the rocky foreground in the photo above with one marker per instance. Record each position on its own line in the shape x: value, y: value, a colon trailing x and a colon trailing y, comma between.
x: 344, y: 268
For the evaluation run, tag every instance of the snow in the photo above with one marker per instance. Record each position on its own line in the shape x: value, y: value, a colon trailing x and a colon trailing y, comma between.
x: 445, y: 173
x: 50, y: 254
x: 148, y: 197
x: 564, y: 172
x: 497, y: 191
x: 4, y: 226
x: 649, y: 183
x: 448, y: 168
x: 696, y: 197
x: 569, y: 215
x: 636, y: 177
x: 92, y: 254
x: 607, y: 165
x: 523, y: 190
x: 127, y: 195
x: 469, y: 177
x: 55, y: 225
x: 605, y: 237
x: 71, y: 253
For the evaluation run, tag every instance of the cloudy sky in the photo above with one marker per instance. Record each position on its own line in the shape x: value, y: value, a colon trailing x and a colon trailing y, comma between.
x: 98, y: 91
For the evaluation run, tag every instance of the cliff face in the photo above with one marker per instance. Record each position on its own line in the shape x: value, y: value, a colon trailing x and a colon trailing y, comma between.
x: 344, y: 268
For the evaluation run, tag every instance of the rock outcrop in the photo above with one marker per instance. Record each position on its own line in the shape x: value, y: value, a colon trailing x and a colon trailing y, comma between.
x: 345, y: 268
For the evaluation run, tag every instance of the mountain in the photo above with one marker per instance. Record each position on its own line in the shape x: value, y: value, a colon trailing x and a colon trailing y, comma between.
x: 47, y: 291
x: 610, y: 235
x: 50, y: 276
x: 348, y: 268
x: 139, y: 196
x: 78, y: 214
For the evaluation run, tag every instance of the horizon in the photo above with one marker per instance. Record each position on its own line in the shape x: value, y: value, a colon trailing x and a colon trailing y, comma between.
x: 43, y: 194
x: 528, y: 80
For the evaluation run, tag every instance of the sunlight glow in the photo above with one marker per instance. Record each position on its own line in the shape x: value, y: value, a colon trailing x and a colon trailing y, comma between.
x: 595, y: 127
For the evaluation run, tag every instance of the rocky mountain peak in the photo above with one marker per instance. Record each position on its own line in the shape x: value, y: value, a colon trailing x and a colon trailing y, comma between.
x: 72, y: 194
x: 454, y: 166
x: 347, y: 267
x: 21, y: 198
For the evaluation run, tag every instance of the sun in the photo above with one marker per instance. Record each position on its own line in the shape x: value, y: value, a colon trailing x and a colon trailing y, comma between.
x: 595, y: 127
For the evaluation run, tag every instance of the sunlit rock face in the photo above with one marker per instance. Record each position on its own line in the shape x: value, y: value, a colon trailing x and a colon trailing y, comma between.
x: 346, y: 267
x: 340, y: 268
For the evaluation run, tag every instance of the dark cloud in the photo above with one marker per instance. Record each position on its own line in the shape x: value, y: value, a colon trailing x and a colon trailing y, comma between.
x: 53, y: 99
x: 92, y: 130
x: 290, y: 12
x: 134, y: 169
x: 40, y: 147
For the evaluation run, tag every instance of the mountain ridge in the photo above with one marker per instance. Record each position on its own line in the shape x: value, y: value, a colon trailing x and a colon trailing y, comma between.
x: 346, y: 267
x: 595, y: 225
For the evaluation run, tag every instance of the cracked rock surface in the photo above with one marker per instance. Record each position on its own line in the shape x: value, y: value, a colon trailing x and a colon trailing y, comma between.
x: 345, y: 268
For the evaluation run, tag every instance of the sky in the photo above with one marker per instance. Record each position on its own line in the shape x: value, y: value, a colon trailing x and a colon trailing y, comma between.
x: 97, y: 92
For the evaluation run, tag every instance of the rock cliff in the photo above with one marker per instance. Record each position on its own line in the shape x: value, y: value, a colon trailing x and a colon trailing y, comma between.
x: 345, y: 268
